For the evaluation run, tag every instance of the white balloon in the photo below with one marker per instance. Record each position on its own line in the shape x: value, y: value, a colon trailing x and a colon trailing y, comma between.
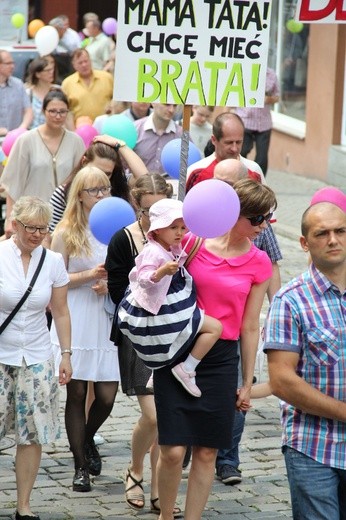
x: 46, y: 40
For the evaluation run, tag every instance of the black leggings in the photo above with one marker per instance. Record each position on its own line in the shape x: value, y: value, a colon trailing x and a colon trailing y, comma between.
x: 78, y: 431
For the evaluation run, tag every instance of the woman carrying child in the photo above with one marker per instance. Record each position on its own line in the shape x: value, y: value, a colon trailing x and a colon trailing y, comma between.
x: 159, y: 314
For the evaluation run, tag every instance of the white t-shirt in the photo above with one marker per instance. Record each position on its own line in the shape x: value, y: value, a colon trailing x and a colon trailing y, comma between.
x: 27, y: 335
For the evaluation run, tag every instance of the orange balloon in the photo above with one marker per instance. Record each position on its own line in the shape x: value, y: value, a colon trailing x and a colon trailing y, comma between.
x: 34, y: 26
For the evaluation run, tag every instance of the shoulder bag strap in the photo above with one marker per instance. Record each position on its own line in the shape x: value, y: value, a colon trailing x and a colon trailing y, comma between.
x: 193, y: 251
x: 134, y: 250
x: 26, y: 294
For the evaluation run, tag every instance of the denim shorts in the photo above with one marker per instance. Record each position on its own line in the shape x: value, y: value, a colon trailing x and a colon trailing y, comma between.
x: 29, y: 403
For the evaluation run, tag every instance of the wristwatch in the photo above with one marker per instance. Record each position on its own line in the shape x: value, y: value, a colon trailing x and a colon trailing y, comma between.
x: 119, y: 144
x: 66, y: 351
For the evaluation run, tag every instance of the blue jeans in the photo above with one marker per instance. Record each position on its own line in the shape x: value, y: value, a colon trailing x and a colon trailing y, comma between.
x: 317, y: 491
x: 231, y: 456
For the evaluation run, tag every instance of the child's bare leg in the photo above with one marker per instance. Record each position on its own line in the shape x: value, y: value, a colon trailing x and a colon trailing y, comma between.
x: 208, y: 336
x: 185, y: 371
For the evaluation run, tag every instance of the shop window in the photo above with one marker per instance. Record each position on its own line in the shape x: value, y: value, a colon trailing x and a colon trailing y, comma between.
x: 288, y: 55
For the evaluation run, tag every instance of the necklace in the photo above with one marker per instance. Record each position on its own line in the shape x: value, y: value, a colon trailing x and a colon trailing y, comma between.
x: 144, y: 239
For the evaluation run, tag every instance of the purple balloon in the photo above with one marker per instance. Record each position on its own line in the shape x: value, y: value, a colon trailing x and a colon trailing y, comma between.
x: 211, y: 208
x: 87, y: 133
x: 109, y: 26
x: 108, y: 216
x: 170, y: 157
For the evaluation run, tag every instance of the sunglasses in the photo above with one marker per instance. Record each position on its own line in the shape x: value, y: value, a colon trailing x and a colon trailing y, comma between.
x: 259, y: 219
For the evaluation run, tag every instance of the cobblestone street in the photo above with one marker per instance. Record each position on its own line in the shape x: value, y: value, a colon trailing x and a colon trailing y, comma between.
x: 263, y: 493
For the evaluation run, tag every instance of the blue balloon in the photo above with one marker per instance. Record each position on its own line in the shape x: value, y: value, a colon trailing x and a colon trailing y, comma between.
x: 108, y: 216
x: 170, y: 157
x: 121, y: 127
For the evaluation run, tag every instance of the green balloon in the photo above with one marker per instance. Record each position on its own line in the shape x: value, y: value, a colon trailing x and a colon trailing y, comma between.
x: 18, y: 20
x: 293, y: 26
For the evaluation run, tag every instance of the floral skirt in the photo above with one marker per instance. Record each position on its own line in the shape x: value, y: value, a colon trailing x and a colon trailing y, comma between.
x: 29, y: 403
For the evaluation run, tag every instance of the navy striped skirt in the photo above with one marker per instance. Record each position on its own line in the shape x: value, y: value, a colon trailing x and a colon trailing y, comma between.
x: 160, y: 339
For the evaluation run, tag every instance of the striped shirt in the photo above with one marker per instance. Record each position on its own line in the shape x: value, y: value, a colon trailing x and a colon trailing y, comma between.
x: 308, y: 317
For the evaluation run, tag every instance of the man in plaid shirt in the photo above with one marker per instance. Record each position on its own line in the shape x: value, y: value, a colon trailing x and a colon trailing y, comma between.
x: 305, y: 339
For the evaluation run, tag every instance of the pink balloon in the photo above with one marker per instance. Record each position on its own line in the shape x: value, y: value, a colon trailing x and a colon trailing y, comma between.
x: 10, y: 139
x: 87, y: 133
x: 109, y: 26
x: 211, y: 208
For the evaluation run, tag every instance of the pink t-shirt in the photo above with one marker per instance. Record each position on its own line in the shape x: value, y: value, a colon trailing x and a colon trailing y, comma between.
x: 223, y: 284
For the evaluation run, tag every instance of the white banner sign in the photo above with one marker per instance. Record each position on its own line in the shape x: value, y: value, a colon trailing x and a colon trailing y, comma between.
x: 204, y: 52
x: 321, y: 11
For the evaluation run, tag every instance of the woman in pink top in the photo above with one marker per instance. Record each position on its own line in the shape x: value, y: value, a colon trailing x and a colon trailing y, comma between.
x: 231, y: 277
x: 159, y: 313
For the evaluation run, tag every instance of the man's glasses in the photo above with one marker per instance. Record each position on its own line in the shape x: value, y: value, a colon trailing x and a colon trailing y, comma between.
x: 53, y: 112
x: 259, y: 219
x: 93, y: 192
x: 43, y: 230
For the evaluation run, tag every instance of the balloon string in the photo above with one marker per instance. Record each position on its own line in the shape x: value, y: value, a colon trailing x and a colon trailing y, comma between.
x: 185, y: 246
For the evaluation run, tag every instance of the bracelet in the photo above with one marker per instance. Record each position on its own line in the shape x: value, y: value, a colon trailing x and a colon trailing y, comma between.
x: 119, y: 144
x: 66, y: 351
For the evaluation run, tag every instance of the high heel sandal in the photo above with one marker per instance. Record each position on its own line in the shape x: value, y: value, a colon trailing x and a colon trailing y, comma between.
x: 157, y: 510
x: 132, y: 497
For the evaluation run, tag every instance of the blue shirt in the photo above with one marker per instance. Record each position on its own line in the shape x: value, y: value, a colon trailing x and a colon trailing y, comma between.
x: 308, y: 316
x: 13, y: 102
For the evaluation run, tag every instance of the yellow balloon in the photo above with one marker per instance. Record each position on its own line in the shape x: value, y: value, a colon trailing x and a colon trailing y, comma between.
x: 294, y: 26
x: 18, y: 20
x: 34, y: 26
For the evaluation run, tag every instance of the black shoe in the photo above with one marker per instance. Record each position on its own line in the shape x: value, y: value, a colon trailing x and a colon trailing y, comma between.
x: 187, y: 457
x: 93, y: 458
x: 26, y: 517
x: 228, y: 475
x: 81, y: 480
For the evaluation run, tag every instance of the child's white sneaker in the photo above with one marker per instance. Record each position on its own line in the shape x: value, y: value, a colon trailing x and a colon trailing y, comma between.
x: 187, y: 379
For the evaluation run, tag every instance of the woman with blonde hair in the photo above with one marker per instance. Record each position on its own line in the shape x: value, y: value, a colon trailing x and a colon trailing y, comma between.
x: 95, y: 356
x: 29, y: 396
x: 114, y: 158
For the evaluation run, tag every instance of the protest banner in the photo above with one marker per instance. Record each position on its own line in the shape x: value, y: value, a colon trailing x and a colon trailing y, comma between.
x: 321, y: 11
x: 210, y: 52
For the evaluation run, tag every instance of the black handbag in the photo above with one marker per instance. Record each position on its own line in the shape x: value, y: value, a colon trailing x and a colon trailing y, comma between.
x: 26, y: 294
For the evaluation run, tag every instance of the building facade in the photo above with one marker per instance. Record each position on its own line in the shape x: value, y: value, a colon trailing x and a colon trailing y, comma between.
x: 309, y: 136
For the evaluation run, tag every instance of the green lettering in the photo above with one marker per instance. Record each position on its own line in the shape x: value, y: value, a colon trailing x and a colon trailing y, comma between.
x: 171, y: 70
x: 234, y: 85
x: 146, y: 72
x: 214, y: 76
x: 193, y: 81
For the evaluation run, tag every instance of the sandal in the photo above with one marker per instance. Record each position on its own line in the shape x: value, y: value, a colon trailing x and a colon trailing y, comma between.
x: 133, y: 497
x: 156, y: 509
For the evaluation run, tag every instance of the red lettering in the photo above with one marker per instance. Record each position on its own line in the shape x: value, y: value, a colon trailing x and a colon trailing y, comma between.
x: 312, y: 15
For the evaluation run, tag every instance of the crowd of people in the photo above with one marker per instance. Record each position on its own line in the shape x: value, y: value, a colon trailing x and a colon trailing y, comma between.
x: 184, y: 329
